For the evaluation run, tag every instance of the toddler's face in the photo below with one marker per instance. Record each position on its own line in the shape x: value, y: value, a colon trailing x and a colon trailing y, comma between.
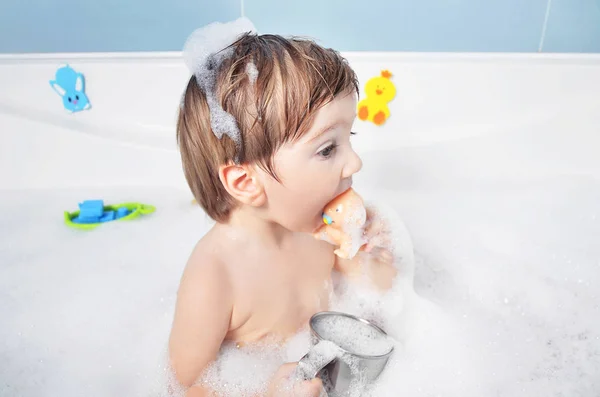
x: 314, y: 169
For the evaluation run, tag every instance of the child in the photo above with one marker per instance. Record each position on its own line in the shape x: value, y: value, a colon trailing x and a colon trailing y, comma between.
x: 259, y: 272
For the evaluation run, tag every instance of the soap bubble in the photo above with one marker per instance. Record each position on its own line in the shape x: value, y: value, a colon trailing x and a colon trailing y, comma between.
x: 252, y: 72
x: 243, y: 371
x: 497, y: 298
x: 211, y: 39
x: 203, y: 52
x: 353, y: 336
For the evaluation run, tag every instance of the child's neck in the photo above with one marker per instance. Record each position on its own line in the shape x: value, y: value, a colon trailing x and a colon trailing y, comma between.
x: 262, y: 230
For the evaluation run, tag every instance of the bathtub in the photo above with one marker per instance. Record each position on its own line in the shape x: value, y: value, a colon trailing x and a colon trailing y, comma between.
x: 491, y: 160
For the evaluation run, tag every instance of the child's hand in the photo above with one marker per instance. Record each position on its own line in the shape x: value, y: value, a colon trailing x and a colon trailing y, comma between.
x: 377, y: 232
x: 377, y: 260
x: 378, y: 264
x: 375, y: 267
x: 374, y: 263
x: 282, y: 384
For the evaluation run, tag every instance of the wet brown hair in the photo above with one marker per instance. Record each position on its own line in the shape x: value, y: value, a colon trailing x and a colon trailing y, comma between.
x: 296, y: 77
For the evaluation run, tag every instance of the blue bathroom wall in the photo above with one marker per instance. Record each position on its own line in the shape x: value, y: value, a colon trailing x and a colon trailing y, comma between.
x: 573, y: 25
x: 347, y: 25
x: 411, y: 25
x: 108, y: 25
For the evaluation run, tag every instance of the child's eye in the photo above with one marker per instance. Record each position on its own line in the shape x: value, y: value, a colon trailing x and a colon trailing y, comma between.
x: 353, y: 133
x: 328, y: 151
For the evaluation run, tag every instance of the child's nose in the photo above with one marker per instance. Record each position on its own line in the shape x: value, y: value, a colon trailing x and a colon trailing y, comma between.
x: 353, y: 165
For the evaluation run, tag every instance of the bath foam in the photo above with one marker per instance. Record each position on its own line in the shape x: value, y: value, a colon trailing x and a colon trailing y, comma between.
x: 244, y: 371
x: 320, y: 354
x: 221, y: 122
x: 506, y: 300
x: 353, y: 336
x: 505, y: 304
x: 252, y: 72
x: 211, y: 39
x: 383, y: 308
x: 356, y: 216
x: 203, y: 53
x: 247, y: 370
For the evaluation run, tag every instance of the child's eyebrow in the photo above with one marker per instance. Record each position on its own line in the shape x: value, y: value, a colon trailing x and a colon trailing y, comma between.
x: 325, y: 130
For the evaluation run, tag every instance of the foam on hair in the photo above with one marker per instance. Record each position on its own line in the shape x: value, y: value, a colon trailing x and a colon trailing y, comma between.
x: 211, y: 39
x: 252, y: 72
x: 203, y: 52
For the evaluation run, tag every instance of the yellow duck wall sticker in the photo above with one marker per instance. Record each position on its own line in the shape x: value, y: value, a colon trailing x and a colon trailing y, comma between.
x: 379, y: 90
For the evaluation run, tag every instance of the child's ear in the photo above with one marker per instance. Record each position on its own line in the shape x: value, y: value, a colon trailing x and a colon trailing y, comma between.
x: 242, y: 183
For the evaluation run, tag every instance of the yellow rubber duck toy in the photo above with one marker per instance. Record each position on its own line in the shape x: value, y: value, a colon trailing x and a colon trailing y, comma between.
x: 380, y: 90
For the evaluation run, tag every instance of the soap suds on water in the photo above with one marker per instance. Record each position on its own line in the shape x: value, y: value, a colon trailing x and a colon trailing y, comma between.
x: 318, y: 357
x: 353, y: 336
x: 244, y: 371
x: 502, y: 299
x: 472, y: 319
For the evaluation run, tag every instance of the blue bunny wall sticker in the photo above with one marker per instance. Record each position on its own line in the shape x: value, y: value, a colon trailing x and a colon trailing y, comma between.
x: 70, y: 85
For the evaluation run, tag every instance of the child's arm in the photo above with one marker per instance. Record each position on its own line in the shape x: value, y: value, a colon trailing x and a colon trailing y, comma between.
x: 202, y: 316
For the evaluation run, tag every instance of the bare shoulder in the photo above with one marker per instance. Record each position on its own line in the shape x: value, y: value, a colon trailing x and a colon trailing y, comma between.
x: 202, y: 313
x: 205, y: 271
x: 206, y: 258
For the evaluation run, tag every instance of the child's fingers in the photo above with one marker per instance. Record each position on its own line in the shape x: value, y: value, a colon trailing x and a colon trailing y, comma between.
x: 377, y: 234
x: 308, y: 388
x: 380, y: 254
x: 285, y: 370
x: 381, y: 240
x: 386, y: 256
x: 373, y: 228
x: 315, y: 388
x: 377, y: 231
x: 312, y: 388
x: 375, y: 223
x: 284, y: 381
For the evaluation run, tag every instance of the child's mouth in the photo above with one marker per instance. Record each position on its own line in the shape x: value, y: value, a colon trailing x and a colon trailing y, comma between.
x: 345, y: 186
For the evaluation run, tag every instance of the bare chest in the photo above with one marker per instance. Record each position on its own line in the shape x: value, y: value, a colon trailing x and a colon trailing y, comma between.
x: 280, y: 296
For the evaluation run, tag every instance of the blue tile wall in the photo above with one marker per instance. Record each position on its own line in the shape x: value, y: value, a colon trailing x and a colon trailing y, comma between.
x: 573, y: 26
x: 109, y: 25
x: 408, y: 25
x: 347, y: 25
